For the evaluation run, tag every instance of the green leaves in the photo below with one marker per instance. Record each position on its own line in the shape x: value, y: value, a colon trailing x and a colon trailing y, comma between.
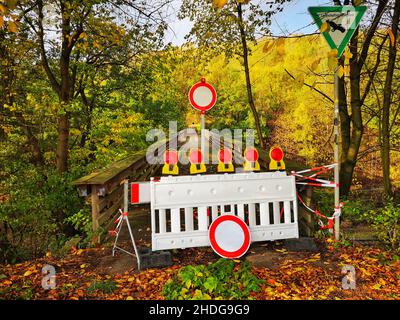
x: 220, y: 280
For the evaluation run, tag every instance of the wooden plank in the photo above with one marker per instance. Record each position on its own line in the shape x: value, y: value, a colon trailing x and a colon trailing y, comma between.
x: 103, y: 175
x: 113, y: 209
x: 110, y: 199
x: 95, y: 213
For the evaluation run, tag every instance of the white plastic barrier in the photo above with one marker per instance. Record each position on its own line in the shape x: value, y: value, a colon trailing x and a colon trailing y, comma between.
x: 183, y: 207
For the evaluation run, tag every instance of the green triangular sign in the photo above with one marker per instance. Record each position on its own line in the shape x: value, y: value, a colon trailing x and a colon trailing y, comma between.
x: 342, y: 21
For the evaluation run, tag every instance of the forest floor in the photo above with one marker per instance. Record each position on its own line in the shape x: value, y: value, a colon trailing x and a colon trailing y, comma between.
x: 94, y: 274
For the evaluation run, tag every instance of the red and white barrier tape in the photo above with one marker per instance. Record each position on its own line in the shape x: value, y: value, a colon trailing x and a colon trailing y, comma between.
x: 316, y: 182
x: 331, y: 220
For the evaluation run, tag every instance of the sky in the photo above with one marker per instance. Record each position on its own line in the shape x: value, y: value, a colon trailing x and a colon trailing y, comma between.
x: 294, y: 18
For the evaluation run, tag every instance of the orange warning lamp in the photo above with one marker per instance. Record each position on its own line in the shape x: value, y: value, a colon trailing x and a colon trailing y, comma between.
x: 171, y: 162
x: 225, y: 161
x: 276, y: 155
x: 251, y: 160
x: 196, y: 161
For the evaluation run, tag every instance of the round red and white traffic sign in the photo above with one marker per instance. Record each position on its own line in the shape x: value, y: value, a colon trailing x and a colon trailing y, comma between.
x: 229, y: 236
x: 202, y: 96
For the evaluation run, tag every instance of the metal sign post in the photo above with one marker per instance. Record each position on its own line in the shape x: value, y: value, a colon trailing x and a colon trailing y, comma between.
x: 336, y: 154
x: 202, y: 97
x: 202, y: 130
x: 337, y: 24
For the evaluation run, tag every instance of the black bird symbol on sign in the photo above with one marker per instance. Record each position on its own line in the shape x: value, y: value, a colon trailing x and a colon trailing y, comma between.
x: 336, y: 26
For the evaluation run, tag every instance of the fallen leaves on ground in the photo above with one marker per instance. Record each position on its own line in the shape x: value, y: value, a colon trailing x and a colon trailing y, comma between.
x: 296, y: 276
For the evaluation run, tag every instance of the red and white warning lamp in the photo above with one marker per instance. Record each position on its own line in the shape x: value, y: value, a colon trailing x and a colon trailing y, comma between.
x: 251, y: 156
x: 196, y: 161
x: 225, y: 160
x: 170, y: 162
x: 276, y: 155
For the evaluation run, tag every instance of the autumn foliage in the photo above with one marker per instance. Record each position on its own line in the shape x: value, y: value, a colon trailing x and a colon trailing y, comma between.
x: 306, y: 275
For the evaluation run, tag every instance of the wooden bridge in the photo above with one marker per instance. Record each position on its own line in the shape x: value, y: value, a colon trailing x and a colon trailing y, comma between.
x: 103, y: 188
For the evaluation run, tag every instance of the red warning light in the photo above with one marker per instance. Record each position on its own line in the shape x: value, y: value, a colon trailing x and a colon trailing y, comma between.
x: 195, y: 156
x: 225, y: 155
x: 276, y: 154
x: 251, y: 154
x: 171, y: 157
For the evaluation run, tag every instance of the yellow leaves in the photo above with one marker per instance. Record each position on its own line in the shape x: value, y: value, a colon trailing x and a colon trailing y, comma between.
x: 75, y: 132
x: 376, y: 286
x: 28, y: 273
x: 13, y: 26
x: 315, y: 64
x: 83, y: 35
x: 3, y: 9
x: 1, y: 21
x: 96, y: 45
x: 131, y: 279
x: 83, y: 265
x: 280, y: 46
x: 268, y: 46
x: 347, y: 56
x: 103, y: 83
x: 340, y: 72
x: 325, y: 27
x: 218, y: 4
x: 391, y: 36
x: 332, y: 59
x: 315, y: 257
x: 129, y: 298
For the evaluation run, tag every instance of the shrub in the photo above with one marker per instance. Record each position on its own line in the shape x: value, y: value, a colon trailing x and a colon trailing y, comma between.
x: 355, y: 210
x: 82, y: 223
x: 102, y: 286
x: 386, y: 221
x: 32, y: 217
x: 223, y: 279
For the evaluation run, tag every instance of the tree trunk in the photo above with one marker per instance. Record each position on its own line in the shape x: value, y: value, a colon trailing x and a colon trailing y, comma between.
x: 387, y: 98
x: 65, y: 92
x: 351, y: 125
x: 247, y: 74
x: 346, y: 167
